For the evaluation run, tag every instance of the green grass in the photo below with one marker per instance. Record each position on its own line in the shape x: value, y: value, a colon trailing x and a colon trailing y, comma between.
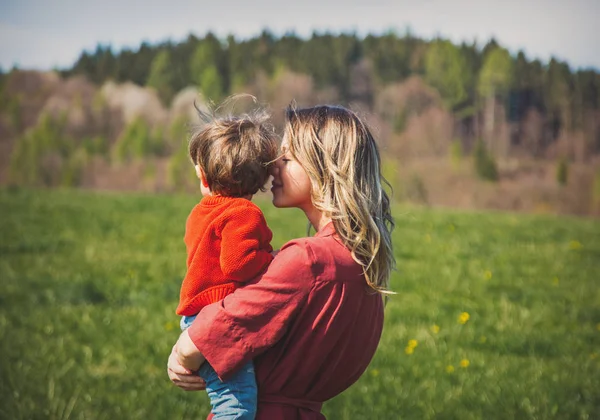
x: 89, y: 283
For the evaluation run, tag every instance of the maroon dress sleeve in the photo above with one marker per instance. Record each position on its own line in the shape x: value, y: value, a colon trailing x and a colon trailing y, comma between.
x: 254, y: 317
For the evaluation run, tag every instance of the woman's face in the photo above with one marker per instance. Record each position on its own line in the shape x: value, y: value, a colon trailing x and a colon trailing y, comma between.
x: 291, y: 185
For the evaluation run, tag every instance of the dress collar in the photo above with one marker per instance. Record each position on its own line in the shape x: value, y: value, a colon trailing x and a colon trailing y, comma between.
x: 327, y: 230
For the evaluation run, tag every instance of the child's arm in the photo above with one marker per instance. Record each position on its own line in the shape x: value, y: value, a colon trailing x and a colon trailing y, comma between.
x: 187, y: 354
x: 245, y: 247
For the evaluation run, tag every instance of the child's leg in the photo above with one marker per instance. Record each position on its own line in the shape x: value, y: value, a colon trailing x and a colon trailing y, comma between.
x: 234, y: 398
x: 186, y: 322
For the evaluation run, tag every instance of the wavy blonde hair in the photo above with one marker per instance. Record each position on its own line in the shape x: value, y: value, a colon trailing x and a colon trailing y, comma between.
x: 341, y: 159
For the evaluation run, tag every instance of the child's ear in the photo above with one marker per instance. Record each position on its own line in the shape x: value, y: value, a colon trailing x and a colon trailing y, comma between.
x: 201, y: 176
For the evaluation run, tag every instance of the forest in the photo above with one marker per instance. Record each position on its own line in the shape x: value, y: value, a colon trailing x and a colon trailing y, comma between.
x: 442, y: 113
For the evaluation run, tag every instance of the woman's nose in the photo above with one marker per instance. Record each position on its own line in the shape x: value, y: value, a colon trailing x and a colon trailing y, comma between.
x: 274, y: 169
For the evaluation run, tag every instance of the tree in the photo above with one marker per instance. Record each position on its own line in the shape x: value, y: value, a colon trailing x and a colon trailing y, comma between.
x: 161, y: 76
x: 138, y: 141
x: 558, y: 87
x: 495, y: 80
x: 46, y: 156
x: 446, y: 70
x: 390, y: 56
x: 204, y: 71
x: 485, y: 166
x: 496, y: 73
x: 562, y: 171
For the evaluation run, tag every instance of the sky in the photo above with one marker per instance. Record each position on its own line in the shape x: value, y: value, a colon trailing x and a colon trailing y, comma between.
x: 44, y: 34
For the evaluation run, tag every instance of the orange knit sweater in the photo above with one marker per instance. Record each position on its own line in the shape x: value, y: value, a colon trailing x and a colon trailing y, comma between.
x: 228, y: 243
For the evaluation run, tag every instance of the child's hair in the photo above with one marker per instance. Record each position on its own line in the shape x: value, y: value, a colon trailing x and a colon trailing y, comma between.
x: 234, y: 152
x: 341, y: 158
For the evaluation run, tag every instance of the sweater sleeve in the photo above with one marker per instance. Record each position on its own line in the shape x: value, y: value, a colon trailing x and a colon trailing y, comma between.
x: 254, y: 317
x: 245, y: 248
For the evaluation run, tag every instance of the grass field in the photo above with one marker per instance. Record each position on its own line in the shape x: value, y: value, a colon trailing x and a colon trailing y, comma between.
x: 497, y: 315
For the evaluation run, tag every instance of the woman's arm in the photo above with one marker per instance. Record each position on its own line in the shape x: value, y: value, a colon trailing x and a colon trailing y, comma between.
x: 253, y: 318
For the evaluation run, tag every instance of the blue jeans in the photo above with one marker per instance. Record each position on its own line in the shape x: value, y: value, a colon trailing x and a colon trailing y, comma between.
x: 234, y: 398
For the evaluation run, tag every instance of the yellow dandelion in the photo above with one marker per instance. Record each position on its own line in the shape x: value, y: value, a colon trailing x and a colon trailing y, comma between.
x: 412, y: 343
x: 598, y: 326
x: 374, y: 373
x: 463, y: 318
x: 575, y: 245
x: 435, y: 328
x: 464, y: 363
x: 450, y: 369
x: 487, y: 275
x: 555, y: 281
x: 168, y: 326
x: 409, y: 350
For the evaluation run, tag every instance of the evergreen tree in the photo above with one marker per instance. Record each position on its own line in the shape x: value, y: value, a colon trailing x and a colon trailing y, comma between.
x: 562, y: 171
x: 161, y: 76
x: 205, y: 73
x: 557, y: 96
x: 485, y: 166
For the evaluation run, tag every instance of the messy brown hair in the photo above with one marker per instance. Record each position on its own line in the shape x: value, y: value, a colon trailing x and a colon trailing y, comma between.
x: 234, y: 152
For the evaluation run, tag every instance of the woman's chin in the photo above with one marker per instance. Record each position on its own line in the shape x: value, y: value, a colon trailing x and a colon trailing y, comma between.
x: 278, y: 201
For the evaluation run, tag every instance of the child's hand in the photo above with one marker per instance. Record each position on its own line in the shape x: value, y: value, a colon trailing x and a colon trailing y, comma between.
x: 183, y: 377
x: 186, y: 353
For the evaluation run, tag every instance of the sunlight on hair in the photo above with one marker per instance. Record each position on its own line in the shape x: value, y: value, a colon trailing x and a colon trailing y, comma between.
x: 342, y: 161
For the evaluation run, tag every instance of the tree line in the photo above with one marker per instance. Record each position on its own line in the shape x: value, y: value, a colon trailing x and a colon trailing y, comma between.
x: 469, y: 78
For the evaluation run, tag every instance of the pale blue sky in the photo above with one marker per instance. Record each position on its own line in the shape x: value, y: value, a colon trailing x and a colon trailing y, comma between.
x: 46, y: 33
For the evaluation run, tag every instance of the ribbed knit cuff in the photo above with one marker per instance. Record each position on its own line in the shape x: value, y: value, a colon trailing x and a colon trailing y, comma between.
x: 206, y: 297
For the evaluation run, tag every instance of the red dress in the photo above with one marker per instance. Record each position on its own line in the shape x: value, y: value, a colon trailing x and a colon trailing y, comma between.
x: 310, y: 323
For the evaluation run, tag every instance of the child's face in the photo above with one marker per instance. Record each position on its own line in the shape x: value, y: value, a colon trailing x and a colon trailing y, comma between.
x: 291, y: 185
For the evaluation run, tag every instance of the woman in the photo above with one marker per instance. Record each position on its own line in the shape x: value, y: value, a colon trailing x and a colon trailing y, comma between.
x: 313, y: 320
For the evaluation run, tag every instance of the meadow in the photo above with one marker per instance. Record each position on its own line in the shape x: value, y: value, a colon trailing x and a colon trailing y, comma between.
x: 496, y: 316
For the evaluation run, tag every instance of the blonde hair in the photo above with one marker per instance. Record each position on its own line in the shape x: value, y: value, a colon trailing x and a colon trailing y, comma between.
x: 234, y: 152
x: 341, y: 158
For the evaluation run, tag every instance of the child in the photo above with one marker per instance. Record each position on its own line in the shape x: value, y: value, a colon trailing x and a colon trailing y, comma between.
x: 227, y: 238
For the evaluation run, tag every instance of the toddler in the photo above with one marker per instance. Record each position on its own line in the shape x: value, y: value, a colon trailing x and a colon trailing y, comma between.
x: 226, y: 237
